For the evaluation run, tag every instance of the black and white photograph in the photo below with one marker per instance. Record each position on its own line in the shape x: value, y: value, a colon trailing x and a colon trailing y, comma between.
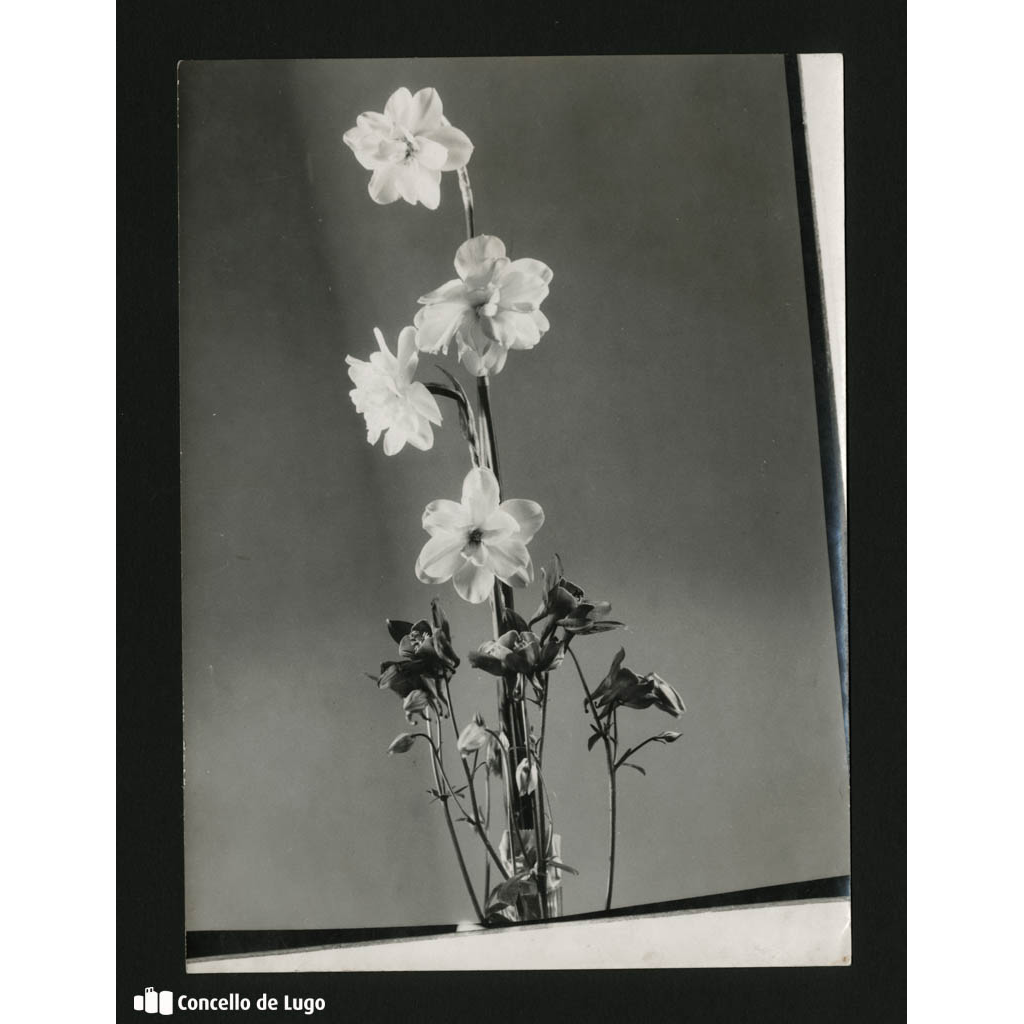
x: 513, y: 513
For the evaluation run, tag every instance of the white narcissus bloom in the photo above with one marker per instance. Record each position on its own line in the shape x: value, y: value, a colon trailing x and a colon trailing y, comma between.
x: 390, y: 399
x: 475, y: 540
x: 407, y: 147
x: 493, y: 307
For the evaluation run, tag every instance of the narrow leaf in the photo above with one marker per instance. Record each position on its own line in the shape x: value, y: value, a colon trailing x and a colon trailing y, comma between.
x: 629, y: 764
x: 667, y: 737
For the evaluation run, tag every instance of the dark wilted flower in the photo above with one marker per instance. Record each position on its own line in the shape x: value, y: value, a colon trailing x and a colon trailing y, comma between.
x: 402, y: 677
x: 429, y: 645
x: 665, y: 697
x: 589, y: 617
x: 560, y: 596
x: 624, y: 688
x: 565, y: 604
x: 517, y: 652
x: 406, y: 677
x: 491, y: 656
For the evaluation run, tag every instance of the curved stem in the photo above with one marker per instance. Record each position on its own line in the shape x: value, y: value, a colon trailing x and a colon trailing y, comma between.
x: 517, y: 725
x: 632, y: 750
x: 472, y: 791
x: 609, y: 755
x: 437, y: 766
x: 543, y: 721
x: 487, y: 825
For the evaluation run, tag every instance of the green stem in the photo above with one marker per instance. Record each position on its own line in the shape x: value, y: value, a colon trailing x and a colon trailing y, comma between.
x: 610, y: 761
x: 632, y: 750
x: 439, y: 768
x: 543, y: 721
x: 467, y: 200
x: 487, y: 826
x: 472, y: 789
x: 514, y: 723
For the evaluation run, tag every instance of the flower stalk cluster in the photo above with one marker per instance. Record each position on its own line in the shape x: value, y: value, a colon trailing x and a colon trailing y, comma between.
x: 480, y: 542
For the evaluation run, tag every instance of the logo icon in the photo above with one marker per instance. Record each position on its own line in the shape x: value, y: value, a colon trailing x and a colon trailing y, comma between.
x: 155, y: 1002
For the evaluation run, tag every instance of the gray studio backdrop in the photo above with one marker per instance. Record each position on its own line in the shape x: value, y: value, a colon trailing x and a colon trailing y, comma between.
x: 666, y: 424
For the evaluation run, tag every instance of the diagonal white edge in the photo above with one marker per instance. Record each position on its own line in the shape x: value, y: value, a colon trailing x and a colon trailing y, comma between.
x: 821, y: 82
x: 812, y: 933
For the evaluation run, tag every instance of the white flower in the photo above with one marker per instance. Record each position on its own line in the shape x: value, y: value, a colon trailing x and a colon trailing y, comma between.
x: 474, y: 736
x: 473, y: 541
x: 526, y: 777
x: 494, y: 307
x: 407, y: 147
x: 390, y: 399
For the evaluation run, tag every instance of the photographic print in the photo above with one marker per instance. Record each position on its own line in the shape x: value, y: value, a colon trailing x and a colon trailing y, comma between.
x: 508, y: 604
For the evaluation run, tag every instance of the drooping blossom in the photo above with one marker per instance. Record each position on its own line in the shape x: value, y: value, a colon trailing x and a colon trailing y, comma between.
x: 390, y: 400
x: 624, y: 688
x: 474, y: 736
x: 516, y: 652
x: 493, y: 307
x: 565, y: 604
x: 478, y: 539
x: 407, y: 147
x: 526, y: 777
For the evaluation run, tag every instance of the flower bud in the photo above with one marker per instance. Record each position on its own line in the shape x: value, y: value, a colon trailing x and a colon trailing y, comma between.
x: 401, y: 743
x: 526, y: 777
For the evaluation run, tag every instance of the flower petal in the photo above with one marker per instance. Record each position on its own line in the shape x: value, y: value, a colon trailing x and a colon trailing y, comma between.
x: 494, y: 361
x: 440, y: 558
x: 499, y: 524
x: 407, y: 181
x: 528, y: 514
x: 450, y: 291
x: 431, y: 154
x: 424, y: 112
x: 423, y: 403
x: 521, y: 290
x: 476, y: 255
x: 428, y: 185
x: 364, y: 145
x: 473, y: 583
x: 407, y: 354
x: 514, y: 330
x: 457, y: 144
x: 436, y: 325
x: 480, y: 495
x: 394, y: 440
x: 533, y: 268
x: 422, y: 437
x: 444, y: 516
x: 509, y: 560
x: 383, y: 186
x: 398, y: 106
x: 472, y: 361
